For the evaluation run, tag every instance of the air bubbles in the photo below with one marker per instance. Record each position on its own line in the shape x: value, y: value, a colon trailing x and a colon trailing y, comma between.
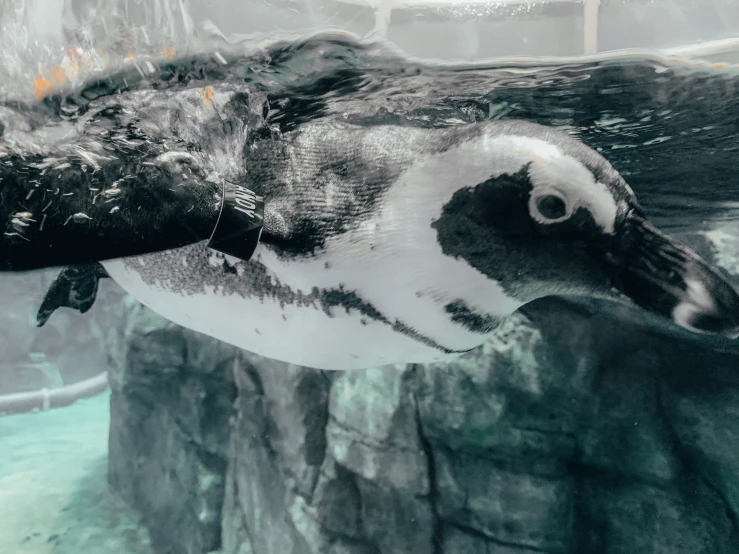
x: 79, y: 217
x: 112, y: 192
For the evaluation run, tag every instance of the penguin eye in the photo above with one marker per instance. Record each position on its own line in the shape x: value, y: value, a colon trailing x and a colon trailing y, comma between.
x: 549, y: 208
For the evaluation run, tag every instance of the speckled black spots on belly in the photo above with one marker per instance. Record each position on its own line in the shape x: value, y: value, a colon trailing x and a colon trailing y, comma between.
x: 196, y: 269
x: 475, y: 322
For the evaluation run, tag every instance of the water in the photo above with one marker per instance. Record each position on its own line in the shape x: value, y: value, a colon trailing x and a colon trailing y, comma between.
x: 51, y: 484
x: 580, y: 429
x: 669, y: 127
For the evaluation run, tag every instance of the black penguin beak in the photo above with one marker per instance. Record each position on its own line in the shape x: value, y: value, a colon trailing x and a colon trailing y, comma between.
x: 665, y: 277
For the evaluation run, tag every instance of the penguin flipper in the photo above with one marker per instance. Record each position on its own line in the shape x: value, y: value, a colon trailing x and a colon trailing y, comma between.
x: 75, y: 287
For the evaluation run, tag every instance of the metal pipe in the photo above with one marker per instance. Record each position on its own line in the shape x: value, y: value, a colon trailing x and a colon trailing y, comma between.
x: 47, y: 399
x: 704, y: 48
x: 590, y: 16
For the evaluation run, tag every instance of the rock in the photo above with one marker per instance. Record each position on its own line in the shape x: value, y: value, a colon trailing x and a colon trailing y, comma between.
x: 504, y: 503
x: 297, y: 403
x: 234, y: 534
x: 457, y: 541
x: 699, y: 400
x: 261, y: 491
x: 342, y: 464
x: 373, y: 428
x: 395, y: 520
x: 579, y: 429
x: 520, y: 396
x: 338, y: 501
x: 623, y: 516
x: 170, y: 429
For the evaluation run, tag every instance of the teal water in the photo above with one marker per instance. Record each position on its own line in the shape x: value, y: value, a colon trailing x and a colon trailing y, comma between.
x: 54, y: 492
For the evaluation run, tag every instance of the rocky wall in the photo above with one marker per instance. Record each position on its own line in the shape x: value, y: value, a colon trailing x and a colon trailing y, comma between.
x: 571, y: 432
x: 171, y: 404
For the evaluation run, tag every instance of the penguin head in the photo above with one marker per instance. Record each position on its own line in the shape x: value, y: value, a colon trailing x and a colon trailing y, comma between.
x: 547, y: 215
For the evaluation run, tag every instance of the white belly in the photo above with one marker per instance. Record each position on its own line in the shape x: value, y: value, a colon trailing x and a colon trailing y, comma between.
x: 352, y: 306
x: 299, y: 334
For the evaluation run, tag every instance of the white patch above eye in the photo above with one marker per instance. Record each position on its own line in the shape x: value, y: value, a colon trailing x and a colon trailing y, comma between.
x: 568, y: 178
x: 536, y: 149
x: 551, y: 172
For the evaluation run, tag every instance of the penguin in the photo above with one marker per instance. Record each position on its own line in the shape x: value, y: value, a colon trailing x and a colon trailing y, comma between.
x: 395, y: 244
x: 378, y: 243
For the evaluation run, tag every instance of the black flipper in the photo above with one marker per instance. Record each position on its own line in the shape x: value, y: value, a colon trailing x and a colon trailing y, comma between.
x: 75, y: 287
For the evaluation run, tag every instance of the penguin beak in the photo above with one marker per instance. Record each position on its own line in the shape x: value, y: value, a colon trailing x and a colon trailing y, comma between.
x: 665, y: 277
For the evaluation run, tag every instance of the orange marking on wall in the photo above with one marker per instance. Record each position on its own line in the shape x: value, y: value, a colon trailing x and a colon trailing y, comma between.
x: 42, y: 86
x: 58, y: 75
x: 168, y: 53
x: 208, y: 95
x: 720, y: 64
